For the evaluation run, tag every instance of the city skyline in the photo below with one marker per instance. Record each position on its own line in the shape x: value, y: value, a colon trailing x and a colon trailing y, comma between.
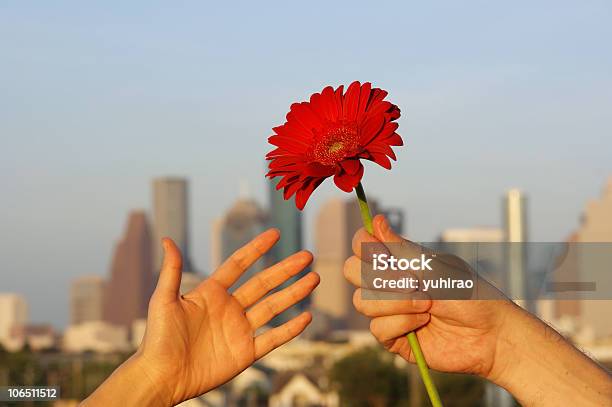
x: 395, y: 213
x: 98, y: 100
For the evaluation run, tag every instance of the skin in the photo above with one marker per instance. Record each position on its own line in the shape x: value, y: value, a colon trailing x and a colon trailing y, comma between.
x: 198, y: 341
x: 494, y: 339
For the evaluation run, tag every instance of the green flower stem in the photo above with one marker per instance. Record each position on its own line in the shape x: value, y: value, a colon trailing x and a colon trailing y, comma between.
x: 432, y: 392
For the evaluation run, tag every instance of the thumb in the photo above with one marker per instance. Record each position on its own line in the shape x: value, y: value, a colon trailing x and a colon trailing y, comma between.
x: 397, y: 245
x: 383, y: 232
x: 169, y: 281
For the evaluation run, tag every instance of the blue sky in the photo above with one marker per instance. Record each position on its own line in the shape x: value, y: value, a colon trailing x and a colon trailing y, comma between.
x: 95, y: 100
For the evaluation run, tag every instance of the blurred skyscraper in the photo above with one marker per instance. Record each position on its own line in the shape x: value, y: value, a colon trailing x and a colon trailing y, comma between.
x: 13, y: 315
x: 86, y: 299
x: 593, y: 316
x: 241, y: 223
x: 335, y: 225
x: 131, y: 281
x: 171, y: 218
x: 515, y: 229
x: 284, y: 216
x: 515, y: 233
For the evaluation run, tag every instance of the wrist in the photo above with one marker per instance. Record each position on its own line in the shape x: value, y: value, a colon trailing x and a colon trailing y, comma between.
x: 154, y: 385
x: 130, y: 384
x: 539, y: 367
x: 508, y: 343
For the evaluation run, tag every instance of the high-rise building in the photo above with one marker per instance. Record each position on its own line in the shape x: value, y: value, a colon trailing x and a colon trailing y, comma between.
x: 13, y: 316
x: 335, y: 225
x: 595, y: 228
x: 515, y: 233
x: 86, y: 299
x: 242, y: 222
x: 171, y: 218
x: 284, y: 216
x: 515, y: 228
x: 131, y: 282
x: 332, y: 237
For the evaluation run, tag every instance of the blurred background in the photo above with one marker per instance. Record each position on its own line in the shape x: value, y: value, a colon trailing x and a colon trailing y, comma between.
x: 122, y: 122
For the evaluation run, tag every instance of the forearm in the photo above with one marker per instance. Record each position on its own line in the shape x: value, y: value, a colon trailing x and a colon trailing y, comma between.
x: 127, y: 386
x: 540, y: 368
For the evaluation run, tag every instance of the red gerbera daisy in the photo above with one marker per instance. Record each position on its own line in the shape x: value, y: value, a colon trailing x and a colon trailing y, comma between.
x: 329, y: 135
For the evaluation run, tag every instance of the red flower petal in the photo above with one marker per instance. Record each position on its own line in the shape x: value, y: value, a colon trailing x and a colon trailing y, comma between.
x: 348, y: 182
x: 291, y: 189
x: 328, y: 101
x: 350, y: 166
x: 381, y: 160
x: 364, y: 97
x: 304, y: 193
x: 339, y: 98
x: 305, y: 115
x: 318, y: 170
x: 351, y: 101
x: 371, y: 128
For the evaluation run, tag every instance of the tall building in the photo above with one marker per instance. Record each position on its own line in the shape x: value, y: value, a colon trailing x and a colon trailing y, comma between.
x: 13, y: 316
x: 86, y: 299
x: 335, y: 225
x: 593, y: 316
x: 131, y: 282
x: 171, y: 218
x: 241, y: 223
x: 284, y: 216
x: 332, y: 237
x: 515, y: 229
x: 515, y: 233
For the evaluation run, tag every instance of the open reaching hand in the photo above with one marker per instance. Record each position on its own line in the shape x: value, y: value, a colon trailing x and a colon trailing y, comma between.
x: 200, y: 340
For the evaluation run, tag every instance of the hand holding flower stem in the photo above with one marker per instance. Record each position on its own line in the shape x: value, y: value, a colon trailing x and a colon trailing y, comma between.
x: 432, y: 391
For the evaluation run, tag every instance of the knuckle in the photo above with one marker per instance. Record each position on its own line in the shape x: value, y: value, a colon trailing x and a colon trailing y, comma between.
x: 375, y: 327
x: 357, y: 303
x: 271, y: 307
x: 264, y: 283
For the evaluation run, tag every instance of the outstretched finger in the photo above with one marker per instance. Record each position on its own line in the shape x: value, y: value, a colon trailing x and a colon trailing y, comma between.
x: 243, y: 258
x: 275, y: 337
x: 262, y: 312
x: 169, y: 282
x: 262, y: 283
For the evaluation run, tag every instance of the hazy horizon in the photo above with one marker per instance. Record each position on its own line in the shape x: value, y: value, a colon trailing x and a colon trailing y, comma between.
x: 97, y: 100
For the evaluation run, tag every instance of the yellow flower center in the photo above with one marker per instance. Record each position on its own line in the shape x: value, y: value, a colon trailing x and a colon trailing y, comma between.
x: 336, y: 142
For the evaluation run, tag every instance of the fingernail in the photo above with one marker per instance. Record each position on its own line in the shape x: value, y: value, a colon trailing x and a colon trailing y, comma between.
x: 384, y: 225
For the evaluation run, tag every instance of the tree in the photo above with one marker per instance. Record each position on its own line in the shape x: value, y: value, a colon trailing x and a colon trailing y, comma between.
x: 368, y: 377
